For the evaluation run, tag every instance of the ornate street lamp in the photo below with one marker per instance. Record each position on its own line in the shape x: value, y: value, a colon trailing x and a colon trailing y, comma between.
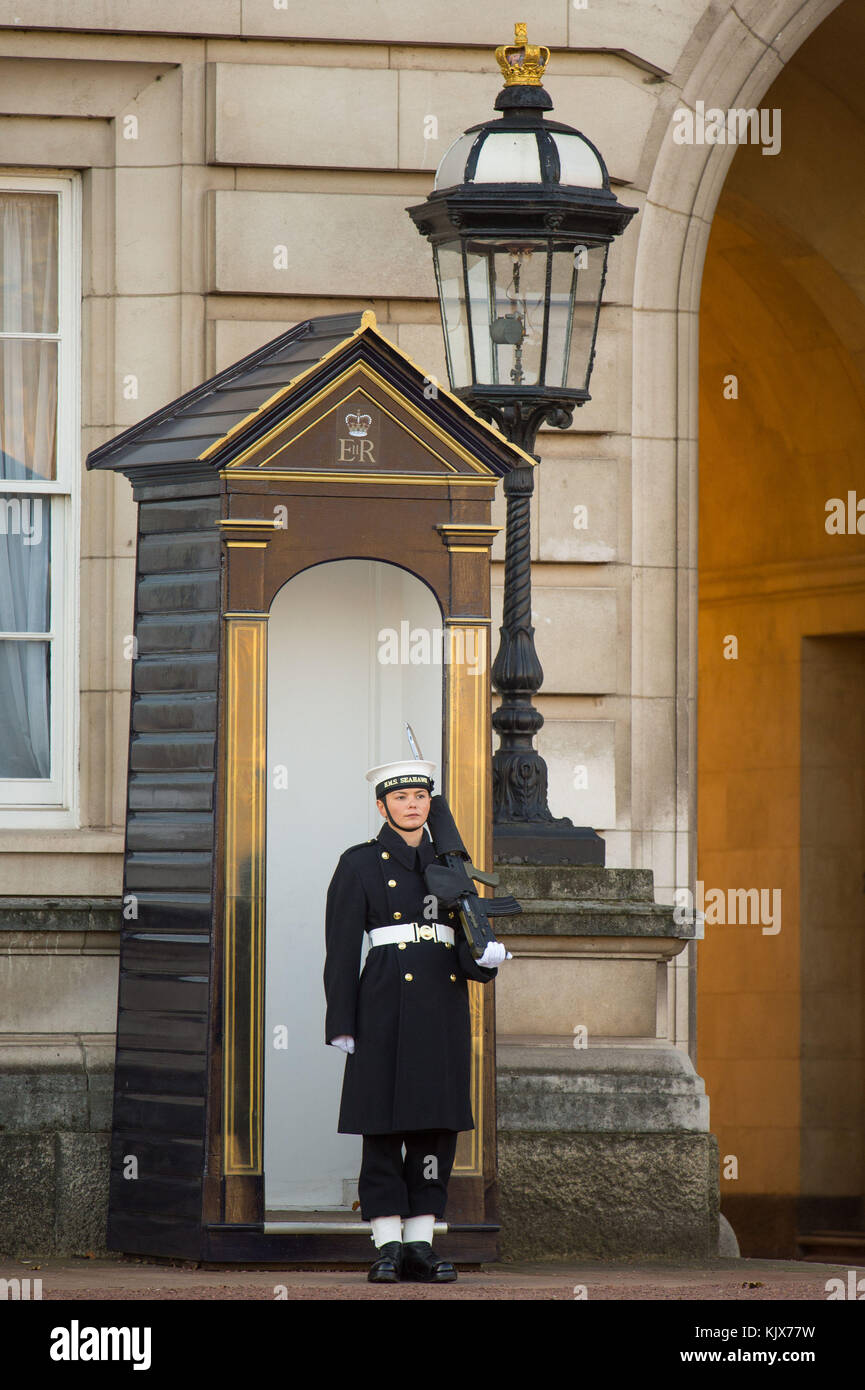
x: 520, y: 221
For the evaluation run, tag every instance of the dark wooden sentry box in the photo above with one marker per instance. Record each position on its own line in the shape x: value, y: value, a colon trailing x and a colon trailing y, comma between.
x: 209, y: 472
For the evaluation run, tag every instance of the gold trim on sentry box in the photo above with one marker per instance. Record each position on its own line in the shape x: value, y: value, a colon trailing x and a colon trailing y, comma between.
x: 467, y: 538
x: 243, y: 951
x: 469, y: 737
x: 323, y: 475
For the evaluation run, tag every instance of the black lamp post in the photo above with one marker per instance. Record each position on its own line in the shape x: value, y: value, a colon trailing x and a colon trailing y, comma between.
x: 520, y: 221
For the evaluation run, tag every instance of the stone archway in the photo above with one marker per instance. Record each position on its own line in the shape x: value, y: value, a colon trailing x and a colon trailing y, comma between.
x: 735, y: 68
x: 781, y: 624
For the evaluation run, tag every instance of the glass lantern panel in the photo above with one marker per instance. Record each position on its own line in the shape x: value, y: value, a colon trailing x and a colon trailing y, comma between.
x: 507, y: 287
x: 451, y: 286
x: 578, y: 163
x: 452, y: 169
x: 589, y: 262
x: 509, y: 157
x: 480, y: 314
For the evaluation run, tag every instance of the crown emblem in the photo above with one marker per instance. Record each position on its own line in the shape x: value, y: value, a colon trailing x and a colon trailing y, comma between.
x: 523, y: 65
x: 358, y: 424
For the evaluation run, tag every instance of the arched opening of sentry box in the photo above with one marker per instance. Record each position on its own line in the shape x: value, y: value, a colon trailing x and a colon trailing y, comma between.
x: 354, y: 649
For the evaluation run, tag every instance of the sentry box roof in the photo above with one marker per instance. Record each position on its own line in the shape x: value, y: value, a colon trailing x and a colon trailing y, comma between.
x: 216, y: 424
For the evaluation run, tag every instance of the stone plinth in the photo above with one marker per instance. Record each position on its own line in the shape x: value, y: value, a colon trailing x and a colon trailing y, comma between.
x: 604, y: 1147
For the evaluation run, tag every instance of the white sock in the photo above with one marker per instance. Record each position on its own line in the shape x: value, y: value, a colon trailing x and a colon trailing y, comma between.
x: 419, y: 1228
x: 386, y: 1228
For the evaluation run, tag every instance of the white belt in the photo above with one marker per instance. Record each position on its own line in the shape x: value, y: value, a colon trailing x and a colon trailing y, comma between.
x: 411, y: 931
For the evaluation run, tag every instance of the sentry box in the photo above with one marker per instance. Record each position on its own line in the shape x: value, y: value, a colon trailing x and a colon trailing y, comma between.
x: 313, y: 569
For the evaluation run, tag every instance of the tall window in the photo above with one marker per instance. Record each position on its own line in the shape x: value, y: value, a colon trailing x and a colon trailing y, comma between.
x: 39, y: 466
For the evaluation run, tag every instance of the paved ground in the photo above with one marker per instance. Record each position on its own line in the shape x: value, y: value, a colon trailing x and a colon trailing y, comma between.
x: 131, y: 1279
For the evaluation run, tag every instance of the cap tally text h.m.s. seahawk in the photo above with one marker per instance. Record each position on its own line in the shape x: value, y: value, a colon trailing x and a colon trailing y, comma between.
x: 392, y: 777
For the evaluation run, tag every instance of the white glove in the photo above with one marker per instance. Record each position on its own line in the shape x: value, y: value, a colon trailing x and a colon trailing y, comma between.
x: 494, y: 954
x: 343, y: 1042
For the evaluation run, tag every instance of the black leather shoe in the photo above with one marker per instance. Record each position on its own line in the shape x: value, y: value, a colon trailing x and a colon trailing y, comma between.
x: 420, y: 1265
x: 386, y: 1269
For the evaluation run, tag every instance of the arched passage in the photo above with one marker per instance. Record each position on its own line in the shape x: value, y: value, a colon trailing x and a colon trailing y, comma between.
x: 751, y: 48
x: 782, y: 661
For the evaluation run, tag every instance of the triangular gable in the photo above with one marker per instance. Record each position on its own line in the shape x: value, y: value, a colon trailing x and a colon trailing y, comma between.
x: 365, y: 410
x: 360, y: 423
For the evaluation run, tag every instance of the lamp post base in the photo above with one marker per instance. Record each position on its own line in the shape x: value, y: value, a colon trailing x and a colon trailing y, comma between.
x: 530, y: 842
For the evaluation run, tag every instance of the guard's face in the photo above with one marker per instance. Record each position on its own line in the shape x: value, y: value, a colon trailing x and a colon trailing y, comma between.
x: 409, y: 807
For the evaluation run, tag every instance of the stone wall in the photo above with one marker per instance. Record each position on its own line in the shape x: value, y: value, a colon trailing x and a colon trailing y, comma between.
x: 58, y: 972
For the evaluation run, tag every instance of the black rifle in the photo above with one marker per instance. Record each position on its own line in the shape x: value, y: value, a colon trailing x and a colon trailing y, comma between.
x: 450, y: 882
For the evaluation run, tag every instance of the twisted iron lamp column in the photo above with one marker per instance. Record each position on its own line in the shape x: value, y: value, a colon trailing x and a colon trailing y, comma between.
x: 519, y: 772
x: 523, y: 825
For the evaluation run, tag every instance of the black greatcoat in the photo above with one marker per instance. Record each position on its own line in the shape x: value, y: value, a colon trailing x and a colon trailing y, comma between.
x: 408, y: 1011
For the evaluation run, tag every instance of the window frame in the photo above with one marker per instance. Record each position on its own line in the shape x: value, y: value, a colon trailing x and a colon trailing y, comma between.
x: 53, y: 803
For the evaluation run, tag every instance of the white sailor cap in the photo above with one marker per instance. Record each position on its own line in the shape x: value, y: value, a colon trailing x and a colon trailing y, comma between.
x: 391, y: 777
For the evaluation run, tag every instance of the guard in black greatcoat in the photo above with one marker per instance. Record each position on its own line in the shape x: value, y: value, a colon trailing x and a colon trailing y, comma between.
x: 404, y: 1024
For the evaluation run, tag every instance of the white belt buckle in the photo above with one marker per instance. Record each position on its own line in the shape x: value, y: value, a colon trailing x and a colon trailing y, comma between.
x: 411, y: 931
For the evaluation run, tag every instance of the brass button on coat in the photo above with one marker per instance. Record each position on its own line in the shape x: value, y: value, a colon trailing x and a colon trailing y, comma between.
x: 391, y: 883
x: 409, y: 977
x: 454, y: 978
x: 396, y: 916
x: 384, y: 854
x: 401, y: 945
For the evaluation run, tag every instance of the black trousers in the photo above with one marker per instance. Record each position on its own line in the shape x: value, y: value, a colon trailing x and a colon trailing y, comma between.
x: 417, y: 1185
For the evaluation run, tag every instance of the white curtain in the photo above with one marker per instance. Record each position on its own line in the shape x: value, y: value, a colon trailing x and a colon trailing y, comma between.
x: 28, y: 414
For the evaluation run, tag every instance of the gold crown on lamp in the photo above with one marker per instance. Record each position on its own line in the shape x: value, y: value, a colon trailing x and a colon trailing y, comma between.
x: 358, y: 424
x: 522, y: 64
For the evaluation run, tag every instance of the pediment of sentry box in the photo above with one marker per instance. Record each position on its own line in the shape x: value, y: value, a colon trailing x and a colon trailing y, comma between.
x: 357, y: 425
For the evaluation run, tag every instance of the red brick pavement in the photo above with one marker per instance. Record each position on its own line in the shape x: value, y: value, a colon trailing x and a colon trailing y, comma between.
x: 130, y: 1279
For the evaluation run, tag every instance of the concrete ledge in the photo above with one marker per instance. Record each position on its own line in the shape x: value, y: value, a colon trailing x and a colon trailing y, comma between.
x: 565, y: 1195
x: 56, y: 1084
x: 640, y: 1089
x: 585, y: 883
x: 587, y: 900
x: 56, y: 914
x: 568, y: 946
x: 582, y: 918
